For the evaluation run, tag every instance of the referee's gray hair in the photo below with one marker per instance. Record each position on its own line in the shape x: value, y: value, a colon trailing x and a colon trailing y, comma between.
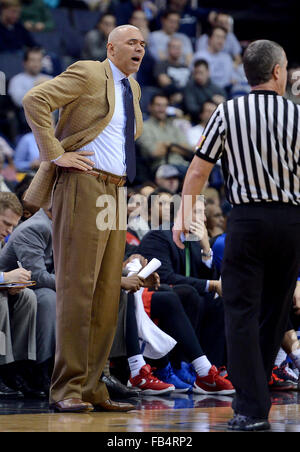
x: 260, y: 59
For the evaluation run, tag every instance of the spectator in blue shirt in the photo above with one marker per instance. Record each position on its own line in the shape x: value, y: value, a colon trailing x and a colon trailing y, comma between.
x: 220, y: 63
x: 190, y: 17
x: 218, y: 250
x: 231, y: 46
x: 27, y: 154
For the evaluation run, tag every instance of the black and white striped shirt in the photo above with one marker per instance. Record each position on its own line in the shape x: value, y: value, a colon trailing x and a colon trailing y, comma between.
x: 257, y: 137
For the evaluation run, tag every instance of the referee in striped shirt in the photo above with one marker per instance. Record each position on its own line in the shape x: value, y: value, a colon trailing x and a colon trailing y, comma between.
x: 257, y: 137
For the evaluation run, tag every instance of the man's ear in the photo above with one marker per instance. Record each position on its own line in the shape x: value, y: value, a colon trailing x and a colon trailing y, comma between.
x: 110, y: 48
x: 276, y: 71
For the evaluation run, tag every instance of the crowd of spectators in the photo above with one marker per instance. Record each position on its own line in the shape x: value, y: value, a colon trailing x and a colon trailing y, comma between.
x: 193, y: 62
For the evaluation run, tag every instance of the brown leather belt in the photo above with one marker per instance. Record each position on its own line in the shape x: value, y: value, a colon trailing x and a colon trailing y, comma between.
x: 108, y: 178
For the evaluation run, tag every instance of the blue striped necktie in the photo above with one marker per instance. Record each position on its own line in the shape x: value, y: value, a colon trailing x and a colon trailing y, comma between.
x: 129, y: 131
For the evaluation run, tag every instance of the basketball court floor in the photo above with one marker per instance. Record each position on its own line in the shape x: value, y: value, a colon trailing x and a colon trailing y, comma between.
x: 177, y: 413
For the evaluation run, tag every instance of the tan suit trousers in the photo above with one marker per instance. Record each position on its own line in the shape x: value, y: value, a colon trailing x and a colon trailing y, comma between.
x: 88, y: 267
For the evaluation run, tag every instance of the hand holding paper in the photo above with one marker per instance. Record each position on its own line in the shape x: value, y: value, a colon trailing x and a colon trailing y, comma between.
x: 146, y: 274
x: 151, y: 267
x: 153, y: 280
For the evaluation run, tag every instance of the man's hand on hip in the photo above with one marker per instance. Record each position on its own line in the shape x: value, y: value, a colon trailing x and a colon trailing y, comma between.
x: 75, y: 160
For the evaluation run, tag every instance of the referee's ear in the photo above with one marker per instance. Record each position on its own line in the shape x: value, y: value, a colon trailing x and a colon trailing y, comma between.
x: 277, y: 71
x: 280, y: 76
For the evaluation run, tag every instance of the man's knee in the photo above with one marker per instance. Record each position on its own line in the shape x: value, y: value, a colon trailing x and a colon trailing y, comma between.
x: 26, y: 300
x: 46, y: 300
x: 171, y: 303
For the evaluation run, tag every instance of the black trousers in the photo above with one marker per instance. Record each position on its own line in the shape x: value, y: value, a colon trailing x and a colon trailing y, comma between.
x: 259, y: 273
x: 206, y: 314
x: 166, y: 306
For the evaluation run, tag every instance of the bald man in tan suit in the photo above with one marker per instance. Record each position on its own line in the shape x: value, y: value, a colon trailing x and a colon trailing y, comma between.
x: 83, y: 159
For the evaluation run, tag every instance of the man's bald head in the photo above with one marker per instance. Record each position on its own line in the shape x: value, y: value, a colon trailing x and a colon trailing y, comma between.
x: 126, y: 48
x: 118, y: 32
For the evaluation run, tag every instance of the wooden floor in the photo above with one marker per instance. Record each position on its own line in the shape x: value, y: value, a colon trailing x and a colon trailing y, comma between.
x: 179, y: 413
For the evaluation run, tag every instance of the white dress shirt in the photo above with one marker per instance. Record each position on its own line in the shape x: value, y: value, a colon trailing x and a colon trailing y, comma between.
x: 109, y: 145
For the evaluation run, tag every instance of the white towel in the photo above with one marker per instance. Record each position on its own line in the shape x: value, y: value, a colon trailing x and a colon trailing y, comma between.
x: 154, y: 342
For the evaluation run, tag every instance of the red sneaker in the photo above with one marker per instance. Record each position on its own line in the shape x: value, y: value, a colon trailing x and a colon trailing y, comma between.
x: 278, y: 384
x: 148, y: 383
x: 213, y: 383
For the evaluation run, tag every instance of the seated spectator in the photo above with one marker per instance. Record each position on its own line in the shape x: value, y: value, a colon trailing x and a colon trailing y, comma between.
x: 144, y: 76
x: 190, y: 17
x: 211, y: 196
x: 231, y: 46
x: 195, y: 269
x: 194, y: 133
x: 168, y: 177
x: 36, y: 16
x: 158, y: 40
x: 95, y: 41
x: 139, y: 19
x: 159, y: 133
x: 217, y: 246
x: 27, y: 156
x: 138, y: 226
x: 201, y: 89
x: 31, y: 244
x: 124, y: 10
x: 160, y: 209
x: 171, y: 309
x: 214, y: 220
x: 171, y: 74
x: 186, y: 368
x: 17, y: 316
x: 24, y: 81
x: 6, y: 157
x: 142, y: 204
x: 13, y: 35
x: 220, y: 63
x: 21, y: 83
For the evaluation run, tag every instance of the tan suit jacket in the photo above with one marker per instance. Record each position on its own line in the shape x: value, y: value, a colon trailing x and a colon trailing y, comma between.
x: 85, y: 96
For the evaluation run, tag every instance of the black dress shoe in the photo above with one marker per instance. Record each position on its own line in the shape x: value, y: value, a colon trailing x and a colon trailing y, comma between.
x: 117, y: 390
x: 19, y: 384
x: 9, y: 393
x: 247, y: 423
